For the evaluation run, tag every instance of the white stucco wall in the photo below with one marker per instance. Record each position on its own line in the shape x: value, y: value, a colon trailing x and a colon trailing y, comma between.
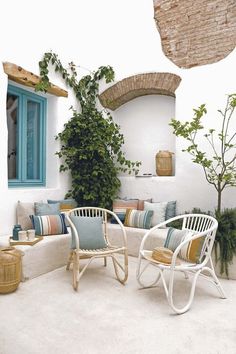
x: 144, y: 122
x: 123, y: 35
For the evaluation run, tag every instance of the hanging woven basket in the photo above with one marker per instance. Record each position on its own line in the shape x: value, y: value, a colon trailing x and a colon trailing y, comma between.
x: 10, y: 269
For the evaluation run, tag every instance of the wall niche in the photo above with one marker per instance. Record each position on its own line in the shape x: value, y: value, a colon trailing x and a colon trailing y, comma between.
x: 144, y: 121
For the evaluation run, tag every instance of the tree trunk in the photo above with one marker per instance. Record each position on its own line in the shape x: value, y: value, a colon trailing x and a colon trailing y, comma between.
x: 219, y: 201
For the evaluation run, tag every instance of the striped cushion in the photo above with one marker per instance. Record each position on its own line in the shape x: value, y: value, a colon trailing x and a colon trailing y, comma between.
x: 49, y: 224
x: 174, y: 238
x: 120, y: 206
x: 191, y: 252
x: 138, y: 218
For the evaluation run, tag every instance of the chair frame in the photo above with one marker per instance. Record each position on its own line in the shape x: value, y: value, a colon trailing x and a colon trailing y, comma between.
x: 201, y: 225
x: 121, y: 270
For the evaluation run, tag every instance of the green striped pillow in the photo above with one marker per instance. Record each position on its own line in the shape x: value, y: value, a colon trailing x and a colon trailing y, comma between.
x: 138, y: 218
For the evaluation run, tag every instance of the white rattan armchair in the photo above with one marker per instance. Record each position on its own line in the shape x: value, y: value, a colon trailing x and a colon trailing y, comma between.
x: 201, y: 226
x: 110, y: 250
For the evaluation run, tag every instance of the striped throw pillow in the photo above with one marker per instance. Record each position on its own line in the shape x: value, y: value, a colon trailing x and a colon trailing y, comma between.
x: 174, y: 238
x: 49, y: 224
x: 192, y: 251
x: 138, y: 218
x: 120, y: 206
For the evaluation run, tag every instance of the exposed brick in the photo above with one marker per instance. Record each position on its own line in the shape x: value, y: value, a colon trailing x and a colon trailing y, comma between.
x: 139, y: 85
x: 196, y: 32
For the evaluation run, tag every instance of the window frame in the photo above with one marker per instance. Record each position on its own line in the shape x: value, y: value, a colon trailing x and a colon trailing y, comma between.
x: 25, y: 96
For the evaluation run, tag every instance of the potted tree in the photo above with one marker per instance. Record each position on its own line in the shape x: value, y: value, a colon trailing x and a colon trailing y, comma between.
x: 219, y: 169
x: 91, y: 142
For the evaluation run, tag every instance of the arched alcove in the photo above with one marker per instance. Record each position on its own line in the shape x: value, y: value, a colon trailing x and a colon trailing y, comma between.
x: 139, y: 85
x: 145, y: 121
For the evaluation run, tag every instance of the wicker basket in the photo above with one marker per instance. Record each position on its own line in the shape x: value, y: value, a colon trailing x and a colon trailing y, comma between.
x: 10, y: 269
x: 164, y: 163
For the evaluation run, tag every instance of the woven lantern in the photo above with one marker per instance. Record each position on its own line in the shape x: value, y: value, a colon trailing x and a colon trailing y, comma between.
x: 164, y: 163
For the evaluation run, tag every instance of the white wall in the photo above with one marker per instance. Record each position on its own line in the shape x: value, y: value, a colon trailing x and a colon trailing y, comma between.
x: 122, y: 34
x: 144, y: 123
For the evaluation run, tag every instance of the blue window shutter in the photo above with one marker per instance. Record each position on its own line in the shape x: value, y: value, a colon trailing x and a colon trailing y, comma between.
x: 31, y: 139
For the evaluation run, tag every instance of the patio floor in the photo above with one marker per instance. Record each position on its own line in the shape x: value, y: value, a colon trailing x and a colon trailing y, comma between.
x: 46, y: 316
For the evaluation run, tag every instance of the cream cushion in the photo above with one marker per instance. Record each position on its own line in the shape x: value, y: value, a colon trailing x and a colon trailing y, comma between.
x: 23, y: 211
x: 159, y: 211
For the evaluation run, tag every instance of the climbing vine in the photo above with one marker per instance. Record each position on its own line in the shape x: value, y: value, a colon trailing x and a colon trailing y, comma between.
x: 91, y: 142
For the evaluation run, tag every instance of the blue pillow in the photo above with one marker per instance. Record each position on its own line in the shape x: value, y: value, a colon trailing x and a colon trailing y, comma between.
x: 170, y: 210
x: 65, y: 204
x: 47, y: 209
x: 90, y: 231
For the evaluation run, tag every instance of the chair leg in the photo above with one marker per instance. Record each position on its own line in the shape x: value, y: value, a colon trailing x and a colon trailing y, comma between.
x: 184, y: 309
x: 105, y: 261
x: 140, y: 272
x: 70, y: 260
x: 75, y: 270
x: 124, y: 268
x: 216, y: 281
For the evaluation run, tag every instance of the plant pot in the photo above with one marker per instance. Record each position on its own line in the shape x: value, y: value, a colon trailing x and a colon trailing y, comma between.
x: 231, y: 268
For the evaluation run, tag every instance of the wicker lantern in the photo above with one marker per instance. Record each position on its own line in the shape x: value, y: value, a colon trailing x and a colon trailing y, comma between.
x: 164, y: 163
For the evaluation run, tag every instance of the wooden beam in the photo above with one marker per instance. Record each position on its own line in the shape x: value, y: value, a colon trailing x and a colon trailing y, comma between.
x: 21, y: 76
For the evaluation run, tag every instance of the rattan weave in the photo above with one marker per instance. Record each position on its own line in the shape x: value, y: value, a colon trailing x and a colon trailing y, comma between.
x: 10, y: 269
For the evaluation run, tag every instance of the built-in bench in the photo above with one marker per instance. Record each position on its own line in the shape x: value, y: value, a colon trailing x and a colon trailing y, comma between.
x: 53, y: 251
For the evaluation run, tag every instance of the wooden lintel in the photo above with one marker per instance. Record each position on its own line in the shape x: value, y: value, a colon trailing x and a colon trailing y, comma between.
x: 21, y: 76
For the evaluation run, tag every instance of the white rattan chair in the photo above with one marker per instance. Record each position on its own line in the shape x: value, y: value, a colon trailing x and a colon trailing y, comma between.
x: 201, y: 226
x: 76, y: 254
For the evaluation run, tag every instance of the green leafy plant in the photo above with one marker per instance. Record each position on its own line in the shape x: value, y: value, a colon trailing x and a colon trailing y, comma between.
x: 178, y: 223
x: 91, y: 142
x: 219, y: 168
x: 225, y: 242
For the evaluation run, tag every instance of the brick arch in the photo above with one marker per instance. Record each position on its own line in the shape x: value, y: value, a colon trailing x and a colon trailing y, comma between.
x: 139, y: 85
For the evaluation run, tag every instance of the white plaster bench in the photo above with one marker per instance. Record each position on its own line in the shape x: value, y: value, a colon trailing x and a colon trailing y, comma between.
x: 53, y: 251
x: 45, y: 256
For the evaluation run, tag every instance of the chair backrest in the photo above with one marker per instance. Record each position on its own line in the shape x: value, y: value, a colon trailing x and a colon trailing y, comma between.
x: 89, y: 212
x: 96, y: 212
x: 204, y: 224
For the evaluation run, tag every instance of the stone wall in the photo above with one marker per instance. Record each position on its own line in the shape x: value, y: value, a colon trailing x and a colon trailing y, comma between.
x: 196, y: 32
